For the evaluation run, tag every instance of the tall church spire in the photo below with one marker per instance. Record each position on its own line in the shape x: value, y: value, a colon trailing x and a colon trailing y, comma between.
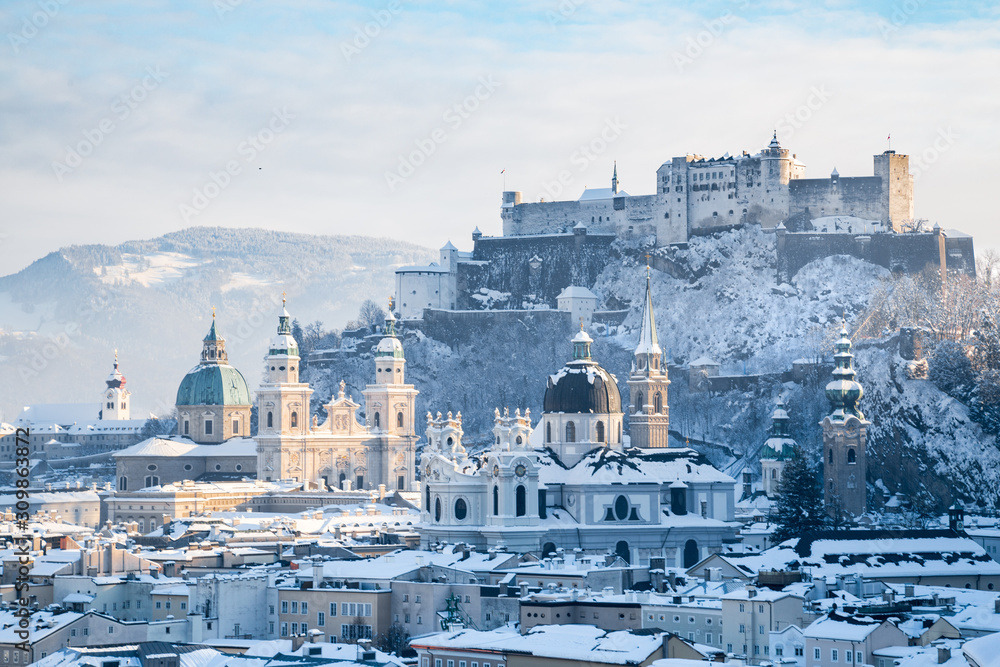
x: 649, y: 416
x: 614, y: 180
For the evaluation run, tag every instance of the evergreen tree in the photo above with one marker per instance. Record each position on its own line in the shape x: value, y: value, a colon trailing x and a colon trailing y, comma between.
x: 799, y: 508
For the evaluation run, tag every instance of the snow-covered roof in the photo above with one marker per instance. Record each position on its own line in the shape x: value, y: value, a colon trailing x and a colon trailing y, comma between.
x: 982, y: 651
x: 172, y: 447
x: 58, y: 413
x: 842, y: 627
x: 576, y: 292
x: 876, y: 553
x: 605, y: 466
x: 585, y: 643
x: 590, y: 194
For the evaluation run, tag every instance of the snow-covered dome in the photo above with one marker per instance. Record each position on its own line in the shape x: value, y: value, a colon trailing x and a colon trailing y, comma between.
x: 115, y: 379
x: 283, y: 342
x: 843, y: 391
x: 582, y: 386
x: 390, y: 345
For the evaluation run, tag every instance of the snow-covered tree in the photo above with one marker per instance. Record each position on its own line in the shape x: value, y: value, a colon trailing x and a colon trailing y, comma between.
x: 799, y: 507
x: 950, y: 370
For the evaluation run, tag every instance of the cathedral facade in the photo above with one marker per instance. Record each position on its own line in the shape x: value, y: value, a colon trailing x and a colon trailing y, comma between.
x: 339, y: 452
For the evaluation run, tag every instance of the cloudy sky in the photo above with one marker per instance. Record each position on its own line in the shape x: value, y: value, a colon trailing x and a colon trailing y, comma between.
x: 126, y: 120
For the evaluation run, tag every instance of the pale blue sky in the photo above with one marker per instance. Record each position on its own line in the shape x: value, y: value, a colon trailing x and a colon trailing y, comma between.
x: 674, y: 77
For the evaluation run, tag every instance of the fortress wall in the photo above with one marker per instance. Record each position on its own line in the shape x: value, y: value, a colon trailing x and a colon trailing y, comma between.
x: 910, y: 253
x: 860, y: 197
x: 503, y: 264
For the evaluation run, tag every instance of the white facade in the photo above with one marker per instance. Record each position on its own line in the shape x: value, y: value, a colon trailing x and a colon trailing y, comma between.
x: 580, y: 302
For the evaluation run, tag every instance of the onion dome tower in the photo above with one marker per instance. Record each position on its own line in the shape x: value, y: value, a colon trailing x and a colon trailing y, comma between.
x: 778, y: 449
x: 213, y: 399
x: 844, y: 437
x: 582, y: 406
x: 116, y: 397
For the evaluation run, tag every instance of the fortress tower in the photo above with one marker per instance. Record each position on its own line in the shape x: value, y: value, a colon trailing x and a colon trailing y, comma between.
x: 897, y: 188
x: 649, y: 416
x: 844, y: 438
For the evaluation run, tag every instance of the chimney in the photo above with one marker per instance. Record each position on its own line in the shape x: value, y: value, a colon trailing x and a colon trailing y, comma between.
x: 944, y: 654
x: 751, y: 591
x: 297, y: 641
x: 908, y: 590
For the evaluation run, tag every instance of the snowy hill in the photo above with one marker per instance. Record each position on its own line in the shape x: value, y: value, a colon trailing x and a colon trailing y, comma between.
x: 726, y: 304
x: 62, y: 317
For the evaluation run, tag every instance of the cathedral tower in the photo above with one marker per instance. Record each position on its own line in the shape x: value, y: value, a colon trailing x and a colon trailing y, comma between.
x: 649, y: 416
x: 283, y: 410
x: 116, y: 398
x: 844, y: 438
x: 390, y: 407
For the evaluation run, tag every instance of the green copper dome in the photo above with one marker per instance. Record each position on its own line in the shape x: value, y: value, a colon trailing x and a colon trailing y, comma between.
x: 213, y: 384
x: 213, y: 381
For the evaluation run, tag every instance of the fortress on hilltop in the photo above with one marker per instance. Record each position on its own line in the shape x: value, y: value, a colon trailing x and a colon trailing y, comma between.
x: 549, y: 247
x: 695, y: 194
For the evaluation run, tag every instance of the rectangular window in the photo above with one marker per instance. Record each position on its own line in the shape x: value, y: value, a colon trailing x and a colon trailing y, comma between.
x: 406, y: 597
x: 799, y: 652
x: 368, y: 609
x: 270, y: 609
x: 451, y: 663
x: 743, y: 607
x: 184, y: 606
x: 333, y: 609
x: 816, y: 654
x: 284, y: 629
x: 437, y: 662
x: 321, y: 619
x: 461, y: 663
x: 168, y: 604
x: 406, y: 618
x: 708, y: 637
x: 729, y: 648
x: 295, y: 606
x: 270, y: 628
x: 417, y: 599
x: 305, y: 608
x: 236, y: 427
x: 859, y: 657
x: 284, y: 606
x: 760, y: 629
x: 849, y: 656
x: 743, y: 629
x: 834, y: 655
x: 208, y: 427
x: 158, y: 603
x: 295, y: 628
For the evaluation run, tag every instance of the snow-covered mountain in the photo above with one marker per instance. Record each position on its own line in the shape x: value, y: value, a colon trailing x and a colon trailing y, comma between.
x: 62, y: 317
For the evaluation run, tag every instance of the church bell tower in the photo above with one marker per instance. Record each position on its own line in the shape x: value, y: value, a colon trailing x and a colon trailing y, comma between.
x: 845, y: 435
x: 649, y: 416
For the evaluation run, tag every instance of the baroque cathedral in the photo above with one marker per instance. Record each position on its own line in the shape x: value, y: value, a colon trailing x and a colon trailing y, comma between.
x: 340, y: 452
x: 574, y: 481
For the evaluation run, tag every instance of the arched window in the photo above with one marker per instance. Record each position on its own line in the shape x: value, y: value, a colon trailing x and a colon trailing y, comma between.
x: 852, y: 456
x: 520, y: 500
x: 294, y: 421
x: 270, y: 420
x: 377, y: 421
x: 622, y: 551
x: 123, y: 483
x: 496, y: 501
x: 548, y: 549
x: 690, y: 553
x: 437, y: 509
x: 638, y: 401
x: 343, y: 478
x: 774, y: 473
x: 600, y: 431
x: 548, y: 431
x: 658, y: 403
x: 831, y: 455
x: 427, y: 494
x: 461, y: 509
x: 570, y: 432
x: 399, y: 420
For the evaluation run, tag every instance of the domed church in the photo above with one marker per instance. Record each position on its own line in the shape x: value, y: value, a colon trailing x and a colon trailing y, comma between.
x: 575, y: 481
x: 213, y: 399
